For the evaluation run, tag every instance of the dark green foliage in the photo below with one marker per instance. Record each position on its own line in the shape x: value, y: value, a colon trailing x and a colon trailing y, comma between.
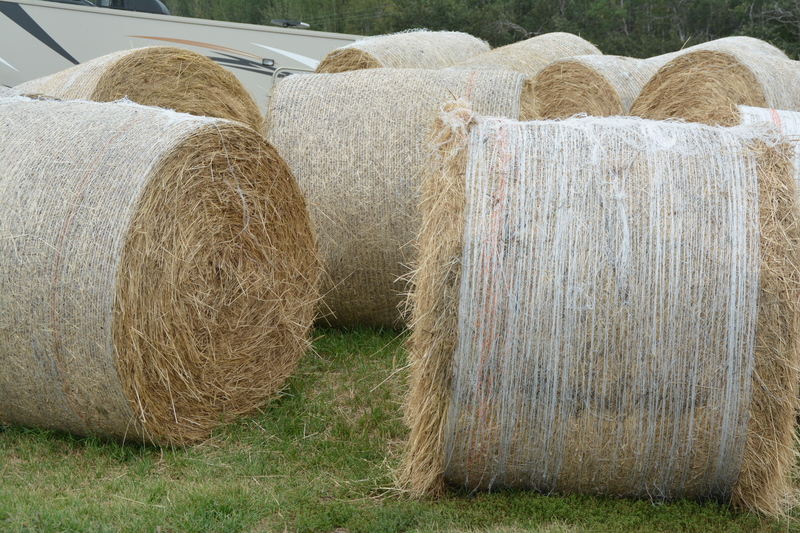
x: 637, y: 28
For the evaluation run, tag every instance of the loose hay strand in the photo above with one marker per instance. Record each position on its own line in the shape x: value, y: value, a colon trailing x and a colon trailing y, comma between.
x: 770, y: 457
x: 433, y: 302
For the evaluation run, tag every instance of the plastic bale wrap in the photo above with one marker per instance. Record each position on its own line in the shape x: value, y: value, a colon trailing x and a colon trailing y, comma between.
x: 786, y: 123
x: 159, y: 271
x: 707, y: 82
x: 409, y: 49
x: 605, y: 306
x: 159, y: 76
x: 355, y: 141
x: 531, y: 55
x: 595, y: 85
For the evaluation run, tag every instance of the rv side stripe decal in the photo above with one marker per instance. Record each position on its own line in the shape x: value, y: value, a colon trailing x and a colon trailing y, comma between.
x: 24, y: 21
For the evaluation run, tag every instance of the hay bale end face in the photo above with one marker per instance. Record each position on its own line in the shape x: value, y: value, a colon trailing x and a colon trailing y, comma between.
x: 649, y: 343
x: 707, y: 82
x: 595, y: 85
x: 410, y: 49
x: 158, y: 76
x: 159, y: 270
x: 356, y: 142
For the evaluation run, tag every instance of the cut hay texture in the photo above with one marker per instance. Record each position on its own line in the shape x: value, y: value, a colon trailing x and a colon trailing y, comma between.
x: 355, y: 141
x: 159, y: 271
x: 595, y: 85
x: 605, y: 306
x: 786, y: 123
x: 159, y: 76
x: 707, y: 82
x: 531, y: 55
x: 409, y: 49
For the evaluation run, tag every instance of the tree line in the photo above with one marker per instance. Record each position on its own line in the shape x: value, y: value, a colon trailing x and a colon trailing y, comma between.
x: 636, y: 28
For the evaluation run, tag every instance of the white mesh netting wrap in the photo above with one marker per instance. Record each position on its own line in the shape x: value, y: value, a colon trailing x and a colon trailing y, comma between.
x: 356, y: 143
x: 607, y: 314
x: 787, y: 123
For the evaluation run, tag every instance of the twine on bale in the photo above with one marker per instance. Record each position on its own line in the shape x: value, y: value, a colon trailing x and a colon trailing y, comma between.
x: 159, y: 270
x: 705, y: 83
x: 626, y: 329
x: 159, y: 76
x: 408, y: 49
x: 355, y: 141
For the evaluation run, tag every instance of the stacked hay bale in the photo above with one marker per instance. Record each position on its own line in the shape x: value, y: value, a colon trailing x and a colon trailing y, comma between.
x: 629, y: 328
x: 409, y: 49
x: 600, y: 85
x: 531, y: 55
x: 159, y: 76
x: 595, y: 85
x: 355, y: 141
x: 707, y: 83
x: 159, y: 270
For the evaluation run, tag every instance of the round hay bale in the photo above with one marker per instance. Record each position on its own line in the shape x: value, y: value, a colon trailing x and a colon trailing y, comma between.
x: 531, y: 55
x: 159, y: 270
x: 159, y: 76
x: 355, y: 141
x: 409, y: 49
x: 707, y: 82
x: 605, y: 306
x: 595, y: 85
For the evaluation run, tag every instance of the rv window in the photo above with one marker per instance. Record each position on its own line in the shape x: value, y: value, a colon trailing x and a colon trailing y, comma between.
x: 114, y: 4
x: 75, y: 2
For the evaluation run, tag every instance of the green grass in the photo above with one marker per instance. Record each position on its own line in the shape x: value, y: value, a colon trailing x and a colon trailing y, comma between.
x: 318, y: 459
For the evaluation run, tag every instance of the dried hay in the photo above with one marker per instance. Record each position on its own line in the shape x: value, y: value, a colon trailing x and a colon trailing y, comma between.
x: 159, y: 270
x: 707, y: 82
x: 159, y: 76
x: 595, y: 85
x: 355, y: 141
x: 531, y: 55
x: 409, y: 49
x: 786, y: 123
x: 629, y: 328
